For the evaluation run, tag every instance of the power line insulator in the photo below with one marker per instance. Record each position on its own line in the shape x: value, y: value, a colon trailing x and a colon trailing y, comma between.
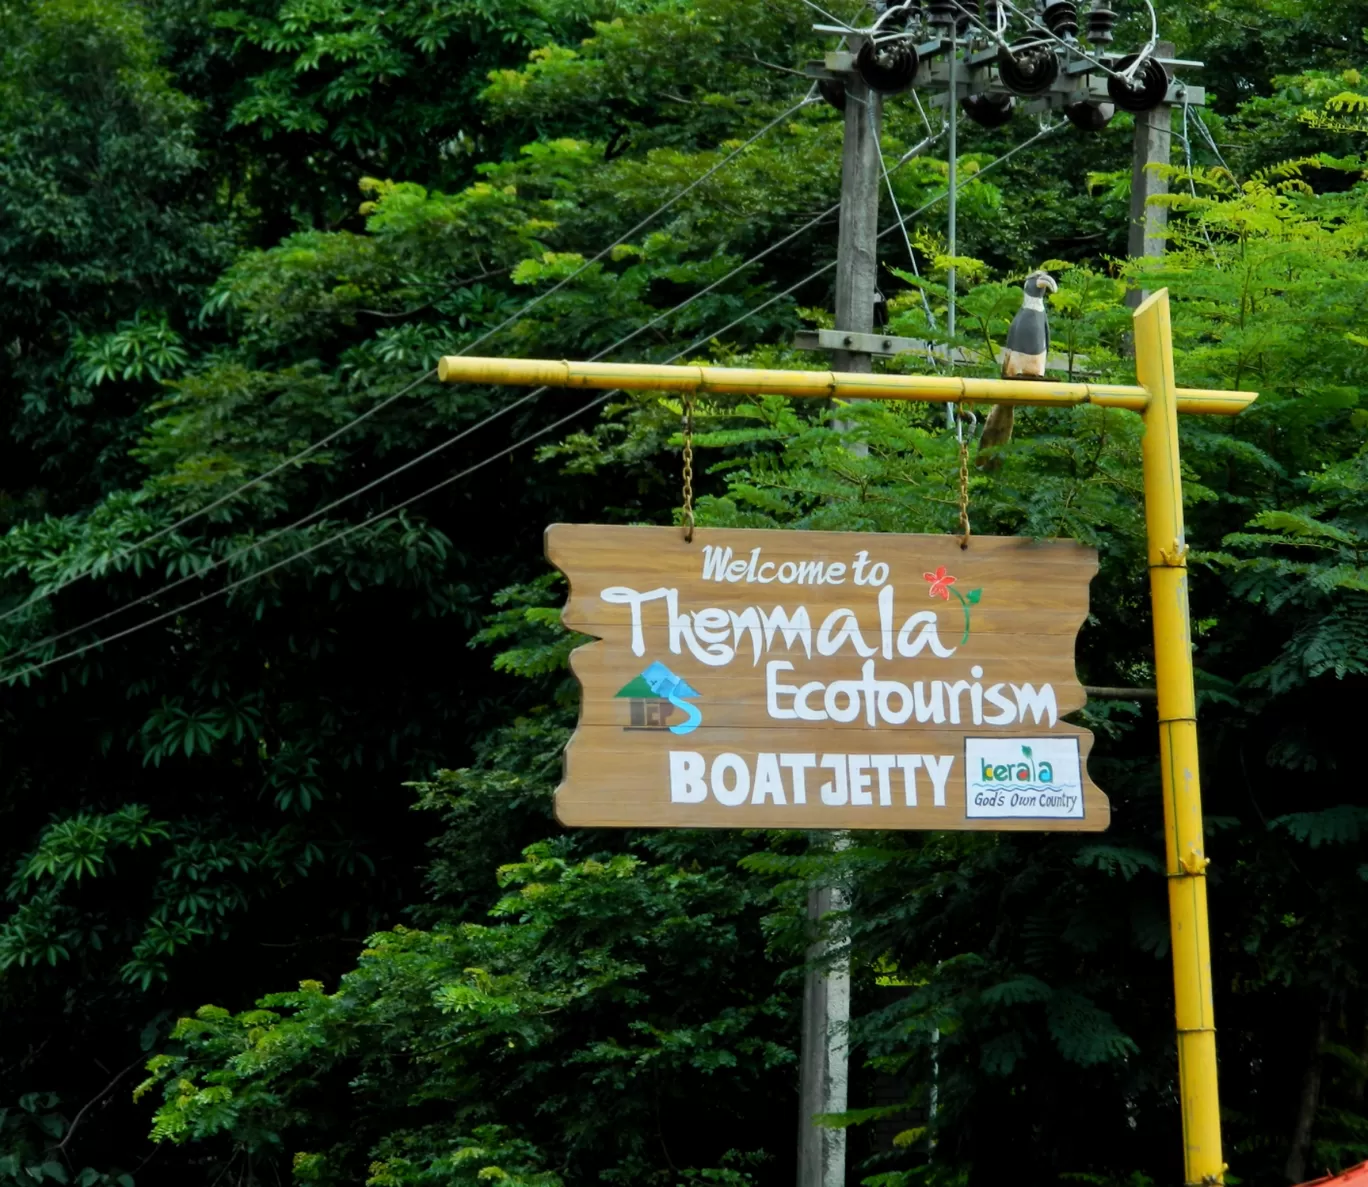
x: 1090, y: 117
x: 1061, y: 18
x: 887, y: 68
x: 967, y: 10
x: 1030, y: 70
x: 942, y: 14
x: 833, y: 91
x: 989, y: 111
x: 1144, y: 92
x: 1101, y: 22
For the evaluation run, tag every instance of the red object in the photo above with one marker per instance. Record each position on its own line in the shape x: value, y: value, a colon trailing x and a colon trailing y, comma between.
x: 940, y: 583
x: 1355, y: 1174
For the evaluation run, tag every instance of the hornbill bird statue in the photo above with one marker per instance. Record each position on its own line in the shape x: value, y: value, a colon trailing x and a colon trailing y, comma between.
x: 1028, y: 345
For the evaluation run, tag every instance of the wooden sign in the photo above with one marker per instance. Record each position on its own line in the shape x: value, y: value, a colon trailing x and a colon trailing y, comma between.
x: 825, y: 680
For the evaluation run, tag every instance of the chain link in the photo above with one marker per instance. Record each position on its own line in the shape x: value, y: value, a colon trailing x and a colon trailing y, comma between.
x: 963, y: 475
x: 688, y: 466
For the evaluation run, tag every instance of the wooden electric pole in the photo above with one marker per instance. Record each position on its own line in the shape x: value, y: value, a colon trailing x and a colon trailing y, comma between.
x: 824, y: 1057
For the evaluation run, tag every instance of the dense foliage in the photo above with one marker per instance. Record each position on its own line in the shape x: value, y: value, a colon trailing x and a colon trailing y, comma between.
x: 235, y: 233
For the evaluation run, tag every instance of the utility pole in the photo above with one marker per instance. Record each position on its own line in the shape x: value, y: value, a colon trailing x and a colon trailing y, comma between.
x: 1153, y: 146
x: 824, y: 1057
x: 857, y: 261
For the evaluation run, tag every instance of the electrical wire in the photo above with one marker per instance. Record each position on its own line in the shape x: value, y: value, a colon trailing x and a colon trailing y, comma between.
x: 1047, y: 36
x: 32, y: 669
x: 162, y: 533
x: 912, y: 255
x: 1211, y: 144
x: 294, y: 556
x: 436, y: 449
x: 1192, y: 188
x: 1148, y: 49
x: 452, y: 440
x: 817, y: 8
x: 529, y: 396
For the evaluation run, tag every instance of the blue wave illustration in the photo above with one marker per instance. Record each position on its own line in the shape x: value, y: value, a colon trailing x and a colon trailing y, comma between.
x: 1020, y: 787
x: 664, y: 683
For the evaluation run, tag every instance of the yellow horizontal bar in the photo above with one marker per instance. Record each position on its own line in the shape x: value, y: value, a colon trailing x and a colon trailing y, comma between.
x: 935, y: 389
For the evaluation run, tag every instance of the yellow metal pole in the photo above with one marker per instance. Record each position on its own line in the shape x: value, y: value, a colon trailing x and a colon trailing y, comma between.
x: 1185, y: 855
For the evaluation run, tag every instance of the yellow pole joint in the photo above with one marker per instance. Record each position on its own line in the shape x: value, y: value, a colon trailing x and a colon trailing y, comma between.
x: 1185, y: 857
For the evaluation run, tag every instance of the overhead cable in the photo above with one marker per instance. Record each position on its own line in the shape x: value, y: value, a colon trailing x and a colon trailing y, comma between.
x: 44, y: 593
x: 452, y: 440
x: 237, y: 583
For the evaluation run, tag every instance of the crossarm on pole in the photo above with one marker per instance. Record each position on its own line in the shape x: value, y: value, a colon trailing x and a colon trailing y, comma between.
x: 841, y: 385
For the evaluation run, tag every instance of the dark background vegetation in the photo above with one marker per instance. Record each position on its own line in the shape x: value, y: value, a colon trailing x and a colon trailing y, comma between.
x: 226, y: 231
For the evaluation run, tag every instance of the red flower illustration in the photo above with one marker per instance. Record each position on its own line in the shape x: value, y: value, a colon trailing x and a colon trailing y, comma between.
x: 940, y: 583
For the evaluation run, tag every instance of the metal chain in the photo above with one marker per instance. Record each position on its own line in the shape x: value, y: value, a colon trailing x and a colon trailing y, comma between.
x: 688, y: 467
x: 963, y: 475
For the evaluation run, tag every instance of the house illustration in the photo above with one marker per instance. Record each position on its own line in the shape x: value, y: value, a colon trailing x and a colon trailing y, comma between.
x: 654, y: 697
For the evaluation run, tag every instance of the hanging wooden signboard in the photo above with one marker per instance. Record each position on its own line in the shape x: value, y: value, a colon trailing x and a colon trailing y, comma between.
x: 825, y: 680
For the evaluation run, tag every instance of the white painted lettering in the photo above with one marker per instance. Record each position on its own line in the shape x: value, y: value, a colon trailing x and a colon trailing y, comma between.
x: 858, y: 565
x: 737, y: 794
x: 715, y: 563
x: 747, y: 620
x: 931, y: 709
x: 1041, y: 703
x: 910, y: 647
x: 883, y: 764
x: 793, y: 628
x: 798, y: 765
x: 620, y: 595
x: 774, y: 690
x: 800, y: 703
x: 829, y: 643
x: 834, y: 793
x: 769, y: 784
x: 953, y: 693
x: 908, y: 764
x: 686, y: 777
x: 859, y: 780
x: 1006, y: 710
x: 938, y: 767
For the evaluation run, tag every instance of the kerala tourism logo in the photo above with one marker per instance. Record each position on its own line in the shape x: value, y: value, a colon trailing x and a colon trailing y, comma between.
x: 1018, y: 772
x: 1023, y: 778
x: 654, y: 696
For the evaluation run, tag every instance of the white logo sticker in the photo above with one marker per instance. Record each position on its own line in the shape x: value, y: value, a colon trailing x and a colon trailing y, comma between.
x: 1023, y: 778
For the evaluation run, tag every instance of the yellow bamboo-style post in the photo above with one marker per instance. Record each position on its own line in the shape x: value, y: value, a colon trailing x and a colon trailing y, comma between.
x: 1185, y: 856
x: 1159, y: 400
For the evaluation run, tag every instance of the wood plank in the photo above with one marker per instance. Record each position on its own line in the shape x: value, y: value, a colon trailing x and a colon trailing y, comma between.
x: 745, y: 646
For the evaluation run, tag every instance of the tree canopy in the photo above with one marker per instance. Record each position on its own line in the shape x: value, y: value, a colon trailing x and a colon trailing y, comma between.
x: 285, y: 684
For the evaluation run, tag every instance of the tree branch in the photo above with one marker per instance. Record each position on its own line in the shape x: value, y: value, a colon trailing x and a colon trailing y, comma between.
x: 60, y: 1147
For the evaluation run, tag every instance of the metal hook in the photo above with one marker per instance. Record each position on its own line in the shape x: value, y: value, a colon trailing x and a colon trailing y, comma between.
x: 960, y: 414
